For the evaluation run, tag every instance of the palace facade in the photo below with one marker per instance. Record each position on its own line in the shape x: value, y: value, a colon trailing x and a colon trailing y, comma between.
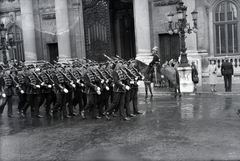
x: 51, y: 29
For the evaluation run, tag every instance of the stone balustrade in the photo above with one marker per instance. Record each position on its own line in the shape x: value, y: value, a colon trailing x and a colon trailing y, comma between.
x: 235, y: 60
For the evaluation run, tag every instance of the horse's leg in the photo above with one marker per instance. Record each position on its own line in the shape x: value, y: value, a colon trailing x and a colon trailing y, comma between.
x: 146, y: 89
x: 175, y: 91
x: 179, y: 92
x: 150, y: 89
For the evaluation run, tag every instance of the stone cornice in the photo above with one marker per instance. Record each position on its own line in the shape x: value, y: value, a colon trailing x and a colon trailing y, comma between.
x: 159, y: 3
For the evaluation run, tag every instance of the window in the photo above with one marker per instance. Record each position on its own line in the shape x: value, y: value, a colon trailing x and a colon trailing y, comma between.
x: 17, y: 53
x: 226, y: 25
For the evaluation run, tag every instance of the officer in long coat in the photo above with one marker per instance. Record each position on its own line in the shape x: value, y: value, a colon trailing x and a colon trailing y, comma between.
x: 227, y: 72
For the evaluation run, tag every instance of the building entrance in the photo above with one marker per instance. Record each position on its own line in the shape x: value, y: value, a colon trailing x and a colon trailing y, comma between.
x: 109, y: 29
x: 53, y: 52
x: 169, y: 47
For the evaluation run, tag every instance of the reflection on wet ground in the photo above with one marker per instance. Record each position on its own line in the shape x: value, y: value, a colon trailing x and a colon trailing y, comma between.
x: 187, y: 128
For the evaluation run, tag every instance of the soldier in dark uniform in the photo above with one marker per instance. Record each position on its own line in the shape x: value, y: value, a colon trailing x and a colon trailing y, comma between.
x: 106, y: 92
x: 71, y: 86
x: 129, y: 82
x: 80, y: 85
x: 61, y: 93
x: 20, y: 79
x: 6, y: 86
x: 46, y: 90
x: 119, y: 90
x: 92, y: 90
x: 33, y: 91
x: 134, y: 88
x: 227, y: 72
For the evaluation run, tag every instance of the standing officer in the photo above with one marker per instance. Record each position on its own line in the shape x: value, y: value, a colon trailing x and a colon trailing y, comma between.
x: 227, y: 72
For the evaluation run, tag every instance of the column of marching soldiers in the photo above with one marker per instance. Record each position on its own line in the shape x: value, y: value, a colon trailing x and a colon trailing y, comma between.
x: 65, y: 89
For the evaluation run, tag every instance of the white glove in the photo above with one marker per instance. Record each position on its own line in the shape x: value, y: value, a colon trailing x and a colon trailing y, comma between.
x: 42, y: 84
x: 49, y: 86
x: 162, y: 76
x: 131, y: 82
x: 65, y: 90
x: 107, y: 81
x: 22, y: 91
x: 136, y: 78
x: 127, y: 88
x: 98, y: 88
x: 107, y: 88
x: 98, y: 92
x: 78, y: 81
x: 37, y: 86
x: 143, y: 77
x: 82, y: 84
x: 102, y: 81
x: 73, y: 85
x: 138, y: 83
x: 4, y: 95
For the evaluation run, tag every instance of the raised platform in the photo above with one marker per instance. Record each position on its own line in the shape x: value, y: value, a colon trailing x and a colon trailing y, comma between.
x: 205, y: 89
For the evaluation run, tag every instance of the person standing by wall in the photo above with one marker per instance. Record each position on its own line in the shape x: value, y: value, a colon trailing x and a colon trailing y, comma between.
x: 195, y: 78
x: 227, y: 72
x: 212, y: 70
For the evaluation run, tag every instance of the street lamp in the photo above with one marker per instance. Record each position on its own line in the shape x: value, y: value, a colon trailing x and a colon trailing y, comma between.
x: 181, y: 28
x: 7, y: 42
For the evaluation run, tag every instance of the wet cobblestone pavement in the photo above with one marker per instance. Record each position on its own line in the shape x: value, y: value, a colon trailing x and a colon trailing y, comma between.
x: 204, y: 127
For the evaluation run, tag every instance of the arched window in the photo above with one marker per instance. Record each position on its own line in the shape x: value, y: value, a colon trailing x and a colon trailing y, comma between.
x: 17, y: 53
x: 226, y: 26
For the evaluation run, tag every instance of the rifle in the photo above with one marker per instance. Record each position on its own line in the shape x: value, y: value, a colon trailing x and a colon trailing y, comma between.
x: 17, y: 84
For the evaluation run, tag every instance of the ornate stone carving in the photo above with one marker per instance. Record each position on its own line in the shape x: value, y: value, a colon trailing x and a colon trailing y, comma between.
x: 49, y: 16
x: 6, y: 1
x: 159, y: 3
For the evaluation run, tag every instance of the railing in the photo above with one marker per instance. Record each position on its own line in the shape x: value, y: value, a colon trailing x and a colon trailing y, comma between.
x: 235, y: 60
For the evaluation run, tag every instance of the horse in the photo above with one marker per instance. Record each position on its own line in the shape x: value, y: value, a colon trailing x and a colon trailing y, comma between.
x: 167, y: 71
x: 147, y: 71
x: 171, y: 73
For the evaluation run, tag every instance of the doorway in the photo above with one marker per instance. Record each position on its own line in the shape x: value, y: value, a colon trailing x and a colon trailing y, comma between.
x: 169, y: 47
x: 53, y: 52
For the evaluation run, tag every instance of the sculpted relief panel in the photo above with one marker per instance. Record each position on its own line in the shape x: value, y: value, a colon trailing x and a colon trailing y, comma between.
x: 158, y: 3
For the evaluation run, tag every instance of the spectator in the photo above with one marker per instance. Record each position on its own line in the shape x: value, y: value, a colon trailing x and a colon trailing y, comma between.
x: 195, y: 78
x: 227, y: 72
x: 212, y: 70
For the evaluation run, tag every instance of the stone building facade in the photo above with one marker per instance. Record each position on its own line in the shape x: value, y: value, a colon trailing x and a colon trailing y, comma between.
x: 47, y: 29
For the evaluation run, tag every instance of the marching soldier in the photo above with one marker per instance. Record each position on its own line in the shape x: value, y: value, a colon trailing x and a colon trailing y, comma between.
x: 119, y: 90
x: 106, y: 92
x: 33, y: 84
x: 46, y: 89
x: 78, y: 92
x: 70, y: 86
x: 6, y: 86
x: 61, y: 93
x: 20, y: 79
x: 92, y: 90
x: 134, y: 88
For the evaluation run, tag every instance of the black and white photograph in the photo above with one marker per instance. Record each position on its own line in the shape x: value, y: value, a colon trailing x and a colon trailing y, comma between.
x: 119, y: 80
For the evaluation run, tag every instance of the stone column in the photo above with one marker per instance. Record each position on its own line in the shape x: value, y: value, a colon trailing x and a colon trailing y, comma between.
x: 142, y: 30
x: 63, y: 35
x: 28, y: 30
